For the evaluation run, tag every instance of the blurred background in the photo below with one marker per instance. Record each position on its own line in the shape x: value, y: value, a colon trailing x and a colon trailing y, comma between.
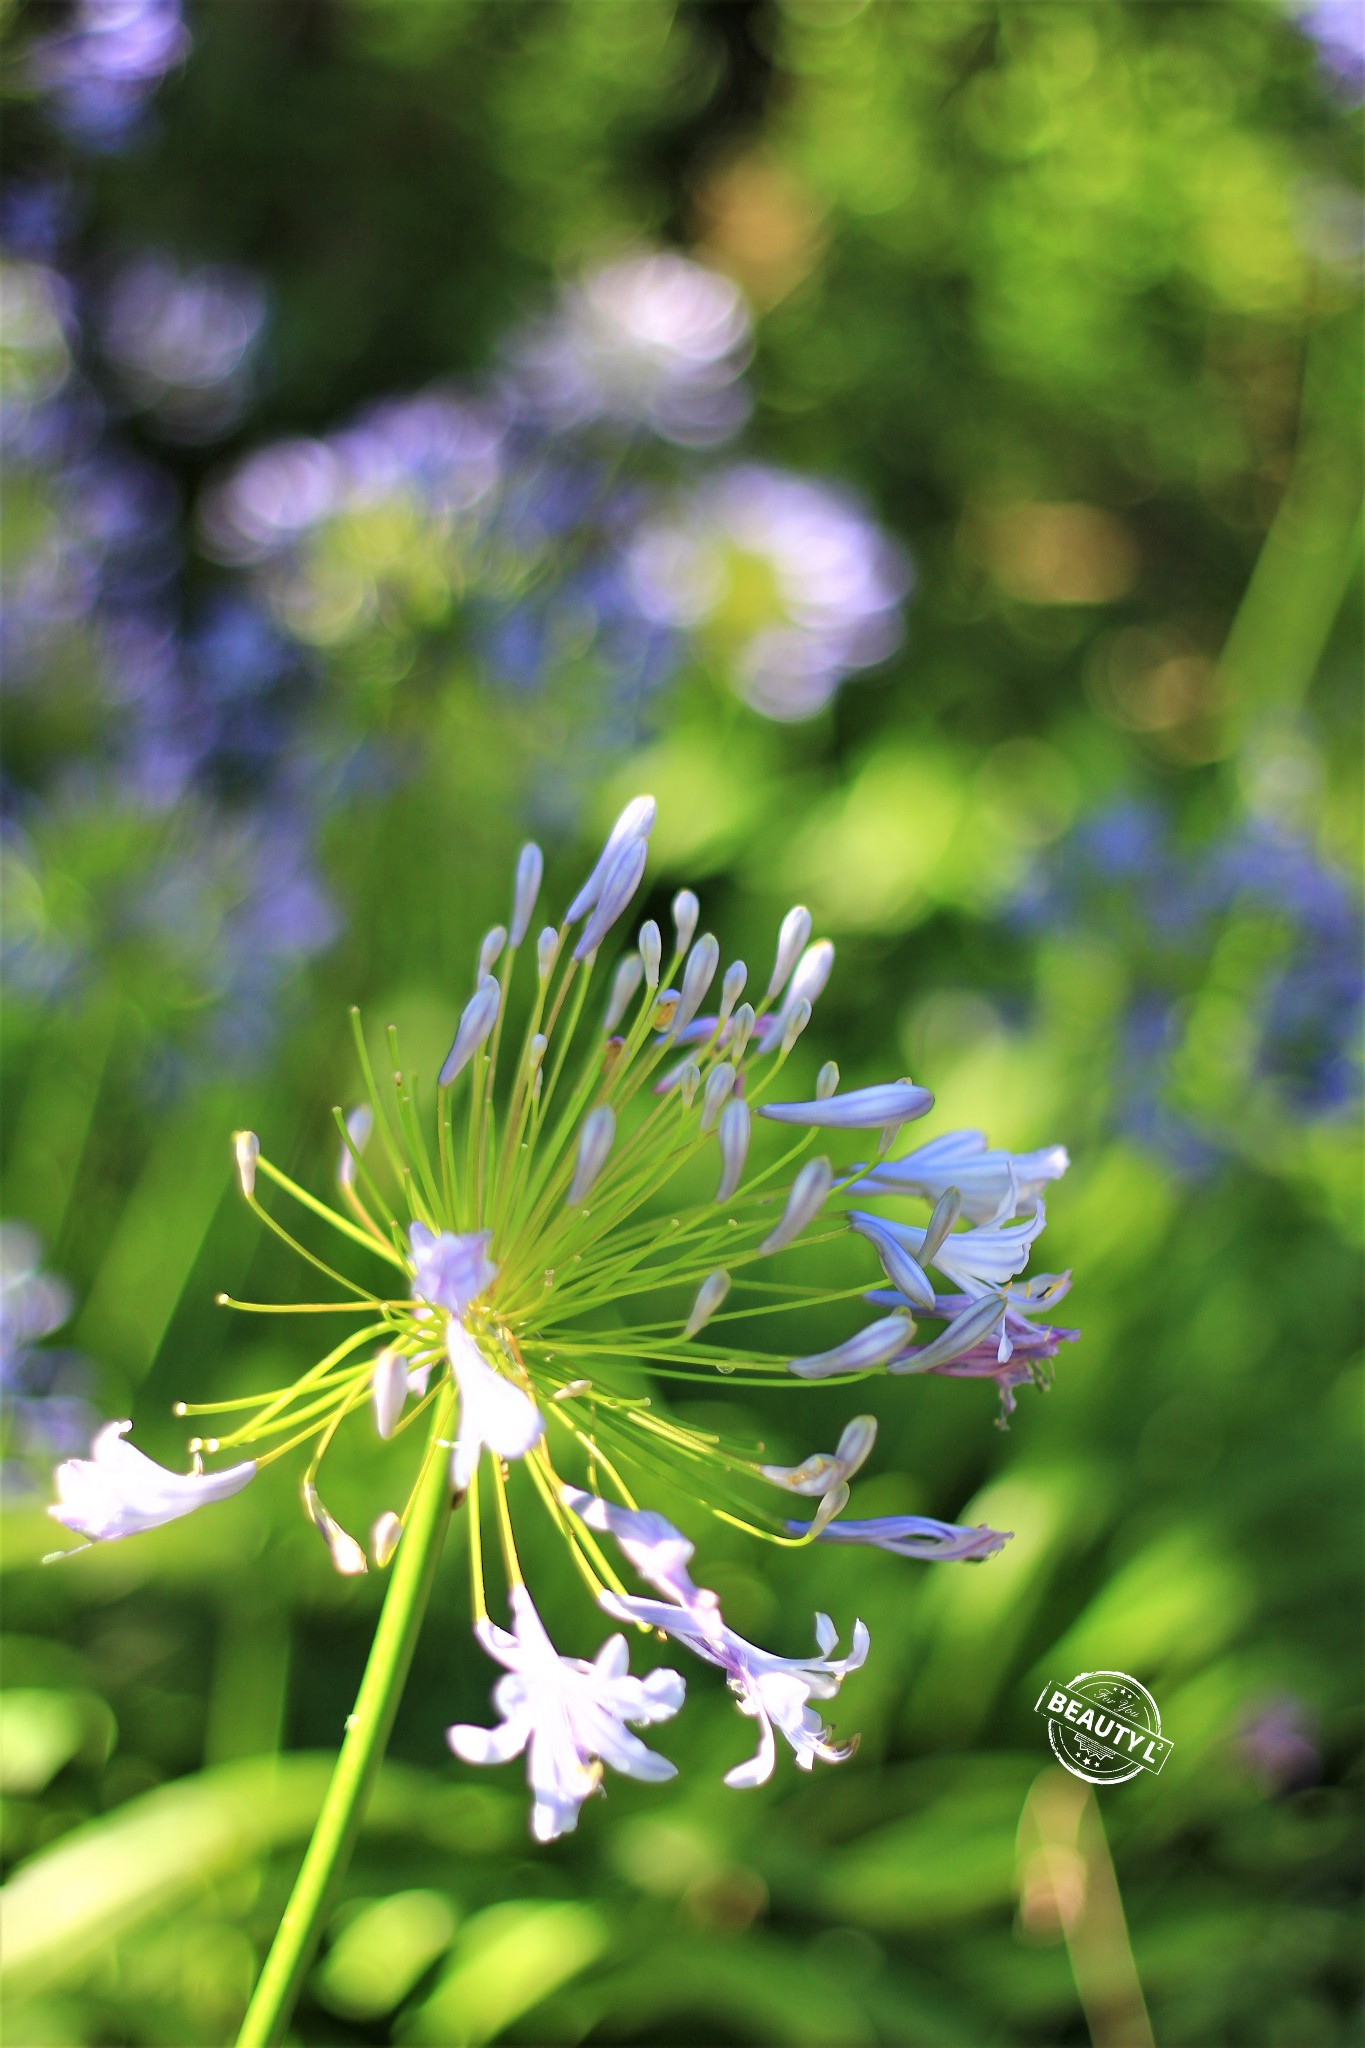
x: 920, y: 441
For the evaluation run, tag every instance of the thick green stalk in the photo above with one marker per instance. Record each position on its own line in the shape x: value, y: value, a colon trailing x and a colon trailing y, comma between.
x: 367, y: 1735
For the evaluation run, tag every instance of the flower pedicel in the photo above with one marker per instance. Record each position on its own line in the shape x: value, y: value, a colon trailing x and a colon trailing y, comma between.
x: 591, y: 1164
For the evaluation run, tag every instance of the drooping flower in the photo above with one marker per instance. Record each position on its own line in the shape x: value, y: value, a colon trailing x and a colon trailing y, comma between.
x: 774, y: 1691
x: 570, y: 1717
x: 118, y: 1491
x: 572, y: 1226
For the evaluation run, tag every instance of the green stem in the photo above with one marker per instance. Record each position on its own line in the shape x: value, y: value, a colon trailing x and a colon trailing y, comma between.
x: 367, y: 1734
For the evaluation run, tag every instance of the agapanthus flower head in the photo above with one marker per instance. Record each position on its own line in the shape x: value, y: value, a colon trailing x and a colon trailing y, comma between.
x: 573, y: 1226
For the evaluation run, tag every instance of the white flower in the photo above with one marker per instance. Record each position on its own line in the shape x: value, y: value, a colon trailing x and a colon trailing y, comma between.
x: 492, y: 1410
x: 568, y: 1715
x: 117, y: 1491
x: 774, y: 1691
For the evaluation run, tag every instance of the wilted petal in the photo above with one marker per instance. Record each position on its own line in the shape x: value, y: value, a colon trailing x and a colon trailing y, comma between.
x: 118, y: 1491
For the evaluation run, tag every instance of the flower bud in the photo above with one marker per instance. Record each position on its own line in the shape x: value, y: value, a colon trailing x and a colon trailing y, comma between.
x: 530, y: 869
x: 689, y: 1081
x: 698, y: 975
x: 247, y: 1147
x: 347, y: 1555
x: 547, y: 952
x: 791, y: 937
x: 710, y: 1295
x: 741, y: 1031
x: 686, y: 911
x: 651, y: 952
x: 812, y: 972
x: 594, y: 1143
x: 491, y: 948
x: 635, y: 822
x: 359, y: 1125
x: 731, y: 989
x: 622, y: 880
x: 624, y: 983
x: 805, y: 1199
x: 476, y: 1021
x: 389, y: 1389
x: 719, y: 1083
x: 734, y: 1132
x: 795, y: 1021
x: 384, y: 1538
x: 827, y: 1080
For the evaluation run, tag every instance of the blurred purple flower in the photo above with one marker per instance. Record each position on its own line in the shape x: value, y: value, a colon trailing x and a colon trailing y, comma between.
x: 791, y: 581
x: 42, y: 1390
x: 182, y: 342
x: 651, y: 341
x: 101, y: 67
x: 1336, y: 28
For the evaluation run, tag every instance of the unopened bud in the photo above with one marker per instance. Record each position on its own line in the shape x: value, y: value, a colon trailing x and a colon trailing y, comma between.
x: 247, y: 1147
x: 741, y: 1031
x: 389, y: 1388
x: 735, y: 1126
x: 689, y: 1081
x: 547, y: 951
x: 384, y: 1538
x: 624, y: 983
x: 827, y: 1080
x: 719, y: 1084
x: 686, y: 911
x: 732, y: 988
x: 798, y: 1017
x: 347, y: 1555
x: 530, y: 869
x: 595, y: 1142
x: 791, y: 937
x: 359, y: 1125
x: 651, y: 951
x: 493, y: 943
x: 710, y: 1295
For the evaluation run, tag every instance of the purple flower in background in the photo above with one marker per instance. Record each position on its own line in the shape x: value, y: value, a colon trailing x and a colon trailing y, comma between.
x: 1122, y: 879
x: 181, y: 342
x: 1277, y: 1742
x: 1336, y: 28
x: 100, y: 68
x: 42, y: 1389
x: 653, y: 341
x: 789, y: 581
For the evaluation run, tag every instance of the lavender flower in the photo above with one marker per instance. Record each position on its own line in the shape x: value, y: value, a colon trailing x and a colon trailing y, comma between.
x: 517, y: 1302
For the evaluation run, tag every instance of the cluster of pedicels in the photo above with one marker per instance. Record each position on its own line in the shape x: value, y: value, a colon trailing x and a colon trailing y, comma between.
x: 593, y: 1164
